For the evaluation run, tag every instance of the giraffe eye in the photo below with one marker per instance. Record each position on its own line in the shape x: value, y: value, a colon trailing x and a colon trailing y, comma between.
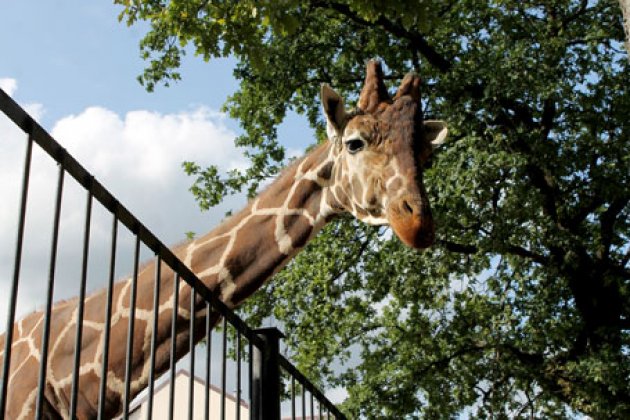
x: 354, y: 145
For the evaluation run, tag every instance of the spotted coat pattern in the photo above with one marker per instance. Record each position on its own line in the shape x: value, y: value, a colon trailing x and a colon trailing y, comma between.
x: 371, y: 168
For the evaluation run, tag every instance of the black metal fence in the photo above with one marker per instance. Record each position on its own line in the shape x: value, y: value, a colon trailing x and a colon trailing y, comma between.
x: 264, y: 382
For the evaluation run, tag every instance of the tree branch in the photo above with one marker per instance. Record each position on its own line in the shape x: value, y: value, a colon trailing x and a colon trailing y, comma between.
x: 516, y: 113
x: 511, y: 249
x: 418, y: 42
x: 530, y: 359
x: 351, y: 261
x: 542, y: 180
x: 578, y: 13
x: 589, y: 206
x: 456, y: 247
x: 522, y: 113
x: 444, y: 361
x: 526, y: 253
x: 547, y: 118
x: 607, y: 223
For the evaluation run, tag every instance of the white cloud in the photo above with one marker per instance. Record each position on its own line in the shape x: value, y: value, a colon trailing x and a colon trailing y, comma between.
x: 146, y: 146
x: 138, y: 158
x: 8, y: 85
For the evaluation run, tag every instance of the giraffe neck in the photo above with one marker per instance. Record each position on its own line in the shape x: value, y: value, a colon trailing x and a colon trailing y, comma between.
x: 254, y: 244
x: 239, y: 255
x: 237, y: 258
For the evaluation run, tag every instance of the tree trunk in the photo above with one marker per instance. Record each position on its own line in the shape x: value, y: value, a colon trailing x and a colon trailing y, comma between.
x: 625, y: 11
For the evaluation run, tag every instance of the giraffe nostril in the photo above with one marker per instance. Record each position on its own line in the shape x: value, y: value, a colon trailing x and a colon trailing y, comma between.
x: 407, y: 207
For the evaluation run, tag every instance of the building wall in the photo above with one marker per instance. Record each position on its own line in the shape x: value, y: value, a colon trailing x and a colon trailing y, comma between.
x: 161, y: 402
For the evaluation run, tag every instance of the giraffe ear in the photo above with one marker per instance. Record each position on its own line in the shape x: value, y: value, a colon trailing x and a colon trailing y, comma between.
x: 334, y: 111
x: 435, y: 131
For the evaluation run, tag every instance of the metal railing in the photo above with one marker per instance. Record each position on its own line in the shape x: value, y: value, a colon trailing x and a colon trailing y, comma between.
x: 268, y: 378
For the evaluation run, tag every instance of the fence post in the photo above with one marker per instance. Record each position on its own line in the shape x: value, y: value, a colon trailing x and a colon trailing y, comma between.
x: 266, y: 375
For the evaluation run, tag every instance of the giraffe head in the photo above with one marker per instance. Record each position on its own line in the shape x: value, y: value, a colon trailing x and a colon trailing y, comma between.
x: 379, y: 153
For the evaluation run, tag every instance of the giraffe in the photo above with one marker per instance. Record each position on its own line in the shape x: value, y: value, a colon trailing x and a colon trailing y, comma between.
x: 370, y: 167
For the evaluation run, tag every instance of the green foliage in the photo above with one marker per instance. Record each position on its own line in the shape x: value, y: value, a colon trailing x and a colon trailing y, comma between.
x: 523, y: 306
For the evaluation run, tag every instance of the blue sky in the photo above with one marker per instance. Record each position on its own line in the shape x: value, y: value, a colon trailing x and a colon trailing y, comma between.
x: 73, y: 54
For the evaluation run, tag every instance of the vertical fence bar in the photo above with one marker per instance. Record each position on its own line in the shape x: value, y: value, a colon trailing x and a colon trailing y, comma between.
x: 238, y: 375
x: 292, y: 398
x: 43, y: 363
x: 208, y: 361
x: 81, y: 305
x: 191, y: 350
x: 156, y: 315
x: 321, y: 412
x: 255, y: 383
x: 267, y: 374
x: 224, y: 368
x: 130, y: 328
x: 6, y: 365
x: 173, y: 355
x: 303, y: 401
x: 250, y: 381
x: 312, y: 406
x: 108, y: 322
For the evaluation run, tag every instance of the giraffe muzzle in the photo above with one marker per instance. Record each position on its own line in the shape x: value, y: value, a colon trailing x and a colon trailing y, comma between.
x: 411, y: 220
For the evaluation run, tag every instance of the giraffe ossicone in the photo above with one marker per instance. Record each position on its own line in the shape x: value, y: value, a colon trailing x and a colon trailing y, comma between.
x: 371, y: 168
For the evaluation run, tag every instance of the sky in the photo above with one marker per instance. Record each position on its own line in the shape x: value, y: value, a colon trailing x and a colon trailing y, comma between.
x: 73, y: 66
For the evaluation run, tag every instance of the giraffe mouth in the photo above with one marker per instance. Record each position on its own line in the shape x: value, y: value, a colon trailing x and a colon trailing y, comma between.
x: 411, y: 220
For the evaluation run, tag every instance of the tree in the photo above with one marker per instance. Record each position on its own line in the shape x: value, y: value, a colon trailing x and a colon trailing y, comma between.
x: 522, y: 308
